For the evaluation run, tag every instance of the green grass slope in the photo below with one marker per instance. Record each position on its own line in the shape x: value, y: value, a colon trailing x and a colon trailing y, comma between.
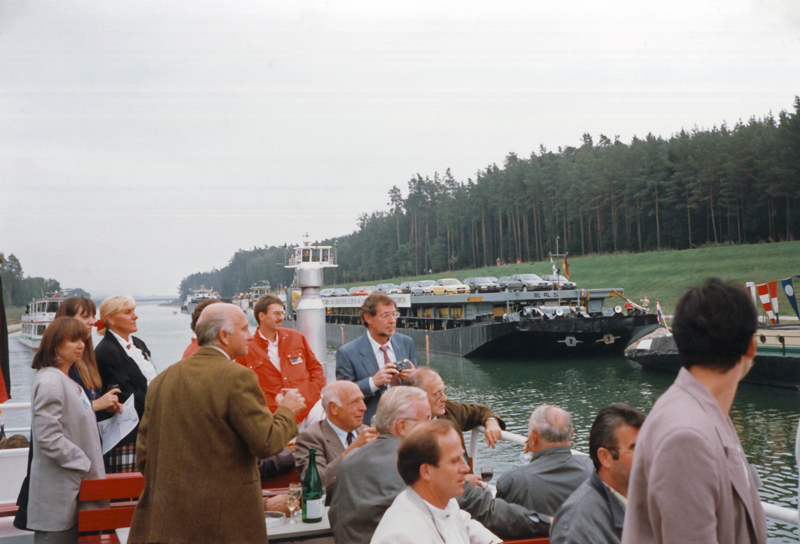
x: 661, y: 275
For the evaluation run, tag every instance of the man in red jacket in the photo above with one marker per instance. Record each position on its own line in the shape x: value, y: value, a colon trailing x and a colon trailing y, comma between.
x: 282, y: 359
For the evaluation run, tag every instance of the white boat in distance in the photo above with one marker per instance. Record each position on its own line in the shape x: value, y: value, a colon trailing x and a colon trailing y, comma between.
x: 38, y: 315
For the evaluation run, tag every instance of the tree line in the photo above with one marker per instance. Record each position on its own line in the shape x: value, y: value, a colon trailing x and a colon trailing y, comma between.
x: 725, y: 185
x: 18, y: 289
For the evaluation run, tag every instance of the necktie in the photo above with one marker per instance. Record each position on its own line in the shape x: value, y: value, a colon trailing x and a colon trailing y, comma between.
x: 350, y: 438
x: 396, y: 380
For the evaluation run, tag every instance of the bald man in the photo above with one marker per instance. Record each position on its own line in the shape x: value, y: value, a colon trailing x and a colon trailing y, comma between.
x: 336, y: 437
x: 554, y: 472
x: 205, y: 421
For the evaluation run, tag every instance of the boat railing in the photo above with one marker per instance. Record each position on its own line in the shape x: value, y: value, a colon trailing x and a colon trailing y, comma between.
x: 773, y: 511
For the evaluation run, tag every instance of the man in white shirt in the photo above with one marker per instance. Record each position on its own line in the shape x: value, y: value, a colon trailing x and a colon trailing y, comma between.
x: 335, y: 437
x: 431, y: 462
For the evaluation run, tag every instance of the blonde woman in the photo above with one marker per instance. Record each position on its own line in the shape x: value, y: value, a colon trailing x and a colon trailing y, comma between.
x: 124, y: 363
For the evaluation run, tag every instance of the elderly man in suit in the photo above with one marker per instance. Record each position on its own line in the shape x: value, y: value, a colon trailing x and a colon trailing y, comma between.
x: 337, y: 436
x: 204, y: 424
x: 554, y: 473
x: 595, y: 512
x: 371, y: 361
x: 690, y: 480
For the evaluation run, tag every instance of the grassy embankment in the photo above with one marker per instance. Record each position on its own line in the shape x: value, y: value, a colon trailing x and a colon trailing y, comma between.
x: 660, y: 275
x: 14, y: 314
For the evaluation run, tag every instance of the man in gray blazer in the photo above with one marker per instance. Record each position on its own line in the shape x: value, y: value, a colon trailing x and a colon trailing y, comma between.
x: 690, y: 480
x: 595, y: 512
x: 333, y: 438
x: 554, y: 473
x: 371, y: 361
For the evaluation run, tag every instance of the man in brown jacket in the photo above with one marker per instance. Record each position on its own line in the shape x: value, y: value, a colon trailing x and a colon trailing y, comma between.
x: 204, y: 424
x: 690, y: 480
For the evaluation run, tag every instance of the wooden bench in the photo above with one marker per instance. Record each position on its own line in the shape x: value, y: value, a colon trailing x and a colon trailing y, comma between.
x: 124, y: 489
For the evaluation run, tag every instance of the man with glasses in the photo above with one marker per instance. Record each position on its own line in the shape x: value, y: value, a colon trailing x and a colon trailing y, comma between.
x: 465, y: 416
x: 372, y: 361
x: 595, y: 512
x: 282, y: 359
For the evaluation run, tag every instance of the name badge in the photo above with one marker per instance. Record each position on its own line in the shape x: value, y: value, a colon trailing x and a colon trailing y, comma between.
x: 296, y: 360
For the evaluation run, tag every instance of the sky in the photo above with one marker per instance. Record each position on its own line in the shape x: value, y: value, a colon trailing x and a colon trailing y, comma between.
x: 143, y: 141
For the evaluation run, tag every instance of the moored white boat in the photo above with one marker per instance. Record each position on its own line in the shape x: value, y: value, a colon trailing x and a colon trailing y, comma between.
x: 38, y: 315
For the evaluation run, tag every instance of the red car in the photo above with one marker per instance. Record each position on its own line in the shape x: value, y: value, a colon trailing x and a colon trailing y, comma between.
x: 362, y: 290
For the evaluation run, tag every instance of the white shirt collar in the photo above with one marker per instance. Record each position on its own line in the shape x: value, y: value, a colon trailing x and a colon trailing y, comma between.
x: 342, y: 434
x: 277, y: 336
x: 376, y: 347
x: 122, y: 342
x: 222, y: 351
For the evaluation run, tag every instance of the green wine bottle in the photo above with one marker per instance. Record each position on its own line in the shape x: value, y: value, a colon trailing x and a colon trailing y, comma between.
x: 312, y: 491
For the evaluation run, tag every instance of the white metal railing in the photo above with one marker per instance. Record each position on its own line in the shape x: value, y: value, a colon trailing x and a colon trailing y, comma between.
x: 778, y: 513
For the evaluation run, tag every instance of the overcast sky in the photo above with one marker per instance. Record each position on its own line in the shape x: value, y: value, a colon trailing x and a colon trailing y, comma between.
x: 144, y: 141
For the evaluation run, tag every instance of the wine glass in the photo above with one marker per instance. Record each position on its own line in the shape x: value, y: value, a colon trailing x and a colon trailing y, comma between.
x: 487, y: 473
x: 293, y: 502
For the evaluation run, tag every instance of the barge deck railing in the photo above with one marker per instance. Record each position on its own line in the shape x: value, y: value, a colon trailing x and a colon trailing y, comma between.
x: 778, y: 513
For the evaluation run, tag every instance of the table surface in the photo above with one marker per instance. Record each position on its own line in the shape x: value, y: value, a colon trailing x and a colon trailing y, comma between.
x: 287, y: 530
x: 303, y: 529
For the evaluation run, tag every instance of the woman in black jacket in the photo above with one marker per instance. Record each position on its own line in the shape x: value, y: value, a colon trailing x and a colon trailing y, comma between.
x: 124, y: 363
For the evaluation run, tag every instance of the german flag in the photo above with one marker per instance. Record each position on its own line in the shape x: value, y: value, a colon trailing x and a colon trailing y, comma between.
x: 566, y: 270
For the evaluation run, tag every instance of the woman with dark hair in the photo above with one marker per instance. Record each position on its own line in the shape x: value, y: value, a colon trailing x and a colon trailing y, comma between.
x: 124, y: 362
x: 66, y: 444
x: 84, y: 371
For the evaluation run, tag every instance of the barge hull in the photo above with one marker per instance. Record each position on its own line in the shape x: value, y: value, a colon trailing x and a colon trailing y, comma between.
x: 777, y: 366
x: 524, y: 339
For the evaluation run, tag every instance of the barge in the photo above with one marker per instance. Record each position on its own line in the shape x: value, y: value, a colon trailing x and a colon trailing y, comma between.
x: 526, y: 324
x: 777, y: 360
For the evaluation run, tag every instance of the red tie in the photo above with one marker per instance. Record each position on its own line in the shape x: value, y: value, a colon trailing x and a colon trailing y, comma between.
x: 350, y: 438
x: 396, y: 380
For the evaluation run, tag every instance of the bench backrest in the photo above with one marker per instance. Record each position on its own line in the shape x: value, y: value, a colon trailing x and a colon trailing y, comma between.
x: 112, y: 487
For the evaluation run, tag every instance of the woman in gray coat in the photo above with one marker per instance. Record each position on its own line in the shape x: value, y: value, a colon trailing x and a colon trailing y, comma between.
x: 66, y: 442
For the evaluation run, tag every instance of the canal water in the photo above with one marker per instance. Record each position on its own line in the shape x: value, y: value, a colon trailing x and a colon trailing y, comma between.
x: 765, y: 417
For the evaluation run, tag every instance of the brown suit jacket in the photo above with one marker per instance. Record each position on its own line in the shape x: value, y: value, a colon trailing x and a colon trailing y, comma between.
x: 204, y: 425
x: 690, y: 480
x: 321, y: 437
x: 468, y: 416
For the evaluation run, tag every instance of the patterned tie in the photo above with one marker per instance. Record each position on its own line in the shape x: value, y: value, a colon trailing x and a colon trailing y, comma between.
x: 350, y: 438
x: 396, y: 380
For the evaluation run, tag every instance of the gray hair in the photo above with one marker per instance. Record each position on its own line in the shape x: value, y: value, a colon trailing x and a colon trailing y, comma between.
x: 398, y: 403
x: 420, y: 377
x: 553, y: 424
x: 332, y: 393
x: 210, y: 322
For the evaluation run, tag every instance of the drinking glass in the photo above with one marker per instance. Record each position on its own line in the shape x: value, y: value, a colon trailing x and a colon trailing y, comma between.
x: 487, y: 473
x: 293, y: 502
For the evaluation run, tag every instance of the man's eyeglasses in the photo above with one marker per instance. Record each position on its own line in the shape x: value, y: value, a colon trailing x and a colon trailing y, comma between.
x: 389, y: 315
x: 438, y: 394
